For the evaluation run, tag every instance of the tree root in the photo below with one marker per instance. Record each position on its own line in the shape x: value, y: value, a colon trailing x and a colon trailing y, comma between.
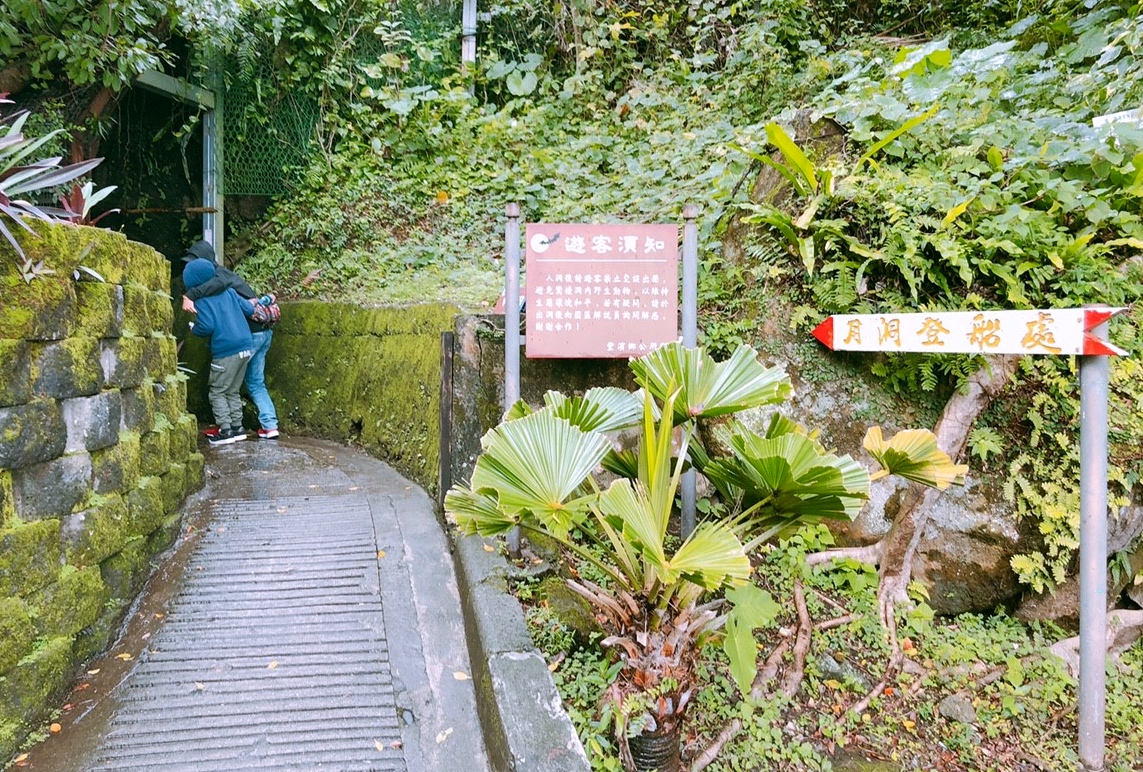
x: 1123, y: 629
x: 793, y: 677
x: 860, y: 706
x: 758, y: 690
x: 870, y: 553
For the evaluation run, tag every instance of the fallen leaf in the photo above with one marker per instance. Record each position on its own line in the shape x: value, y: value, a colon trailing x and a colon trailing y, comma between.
x: 199, y: 685
x: 272, y: 665
x: 442, y: 736
x: 20, y: 758
x: 55, y: 728
x: 833, y: 684
x: 124, y: 656
x: 82, y: 687
x: 553, y: 665
x: 355, y: 488
x: 396, y: 744
x: 461, y: 676
x: 159, y: 615
x: 67, y: 707
x: 489, y: 548
x: 908, y: 724
x: 93, y: 672
x: 380, y: 554
x: 377, y: 744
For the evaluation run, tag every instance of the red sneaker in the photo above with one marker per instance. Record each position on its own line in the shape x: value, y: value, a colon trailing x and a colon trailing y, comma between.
x: 267, y: 434
x: 211, y: 433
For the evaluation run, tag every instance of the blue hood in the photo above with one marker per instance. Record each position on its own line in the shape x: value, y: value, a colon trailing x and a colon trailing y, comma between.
x: 197, y: 271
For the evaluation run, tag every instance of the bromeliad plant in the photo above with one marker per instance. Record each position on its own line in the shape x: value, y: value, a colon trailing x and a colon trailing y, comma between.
x: 19, y: 177
x: 660, y: 597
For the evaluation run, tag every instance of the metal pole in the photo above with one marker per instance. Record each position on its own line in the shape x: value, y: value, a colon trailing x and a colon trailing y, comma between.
x: 469, y: 40
x: 512, y: 327
x: 1093, y: 377
x: 211, y: 231
x: 690, y: 340
x: 444, y: 480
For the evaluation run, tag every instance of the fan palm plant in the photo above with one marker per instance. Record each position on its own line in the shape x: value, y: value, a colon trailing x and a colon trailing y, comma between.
x: 657, y: 602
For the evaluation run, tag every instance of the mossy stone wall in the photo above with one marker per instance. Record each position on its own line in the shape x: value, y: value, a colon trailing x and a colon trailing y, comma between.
x: 478, y: 386
x: 97, y: 453
x: 365, y: 376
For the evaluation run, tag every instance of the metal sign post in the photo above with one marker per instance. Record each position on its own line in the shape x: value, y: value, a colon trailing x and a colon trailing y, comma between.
x: 690, y: 340
x: 1079, y: 331
x: 512, y: 328
x: 1093, y: 378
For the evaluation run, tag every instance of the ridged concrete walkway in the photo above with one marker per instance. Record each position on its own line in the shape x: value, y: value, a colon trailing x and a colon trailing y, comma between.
x: 313, y: 624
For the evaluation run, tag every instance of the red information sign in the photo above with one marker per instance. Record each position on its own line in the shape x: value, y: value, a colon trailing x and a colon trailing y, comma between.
x: 598, y: 291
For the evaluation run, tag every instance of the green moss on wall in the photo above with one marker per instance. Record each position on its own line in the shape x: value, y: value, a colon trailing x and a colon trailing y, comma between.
x: 7, y: 498
x: 127, y: 362
x: 65, y: 607
x: 184, y: 438
x: 100, y: 309
x: 29, y: 556
x: 113, y: 257
x: 196, y: 466
x: 367, y: 376
x: 16, y: 632
x: 174, y: 481
x: 171, y: 397
x: 62, y: 339
x: 15, y: 364
x: 155, y: 449
x: 41, y: 310
x: 116, y: 468
x: 35, y: 680
x: 124, y: 572
x: 145, y: 505
x: 98, y: 532
x: 67, y: 368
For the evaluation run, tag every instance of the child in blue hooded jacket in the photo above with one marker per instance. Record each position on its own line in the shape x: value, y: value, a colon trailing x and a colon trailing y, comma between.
x: 222, y: 319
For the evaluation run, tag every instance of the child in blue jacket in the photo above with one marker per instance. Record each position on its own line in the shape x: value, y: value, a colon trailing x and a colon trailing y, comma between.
x: 222, y: 319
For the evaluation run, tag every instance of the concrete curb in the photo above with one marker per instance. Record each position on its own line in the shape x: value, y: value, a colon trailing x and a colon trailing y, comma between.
x: 525, y: 726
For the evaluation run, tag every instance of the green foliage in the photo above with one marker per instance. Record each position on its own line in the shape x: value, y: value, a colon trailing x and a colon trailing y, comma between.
x: 23, y: 180
x: 102, y: 44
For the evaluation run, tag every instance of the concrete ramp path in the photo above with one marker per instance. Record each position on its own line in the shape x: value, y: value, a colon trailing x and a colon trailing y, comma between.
x: 309, y: 620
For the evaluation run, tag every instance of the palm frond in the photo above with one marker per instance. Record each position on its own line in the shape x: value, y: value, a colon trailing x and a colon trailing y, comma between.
x: 790, y: 477
x: 602, y: 409
x: 712, y: 557
x: 536, y: 463
x: 708, y: 389
x: 914, y: 455
x: 477, y: 513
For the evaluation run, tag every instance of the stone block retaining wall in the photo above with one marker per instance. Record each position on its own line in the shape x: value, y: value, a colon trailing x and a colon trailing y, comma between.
x: 97, y: 453
x: 369, y: 377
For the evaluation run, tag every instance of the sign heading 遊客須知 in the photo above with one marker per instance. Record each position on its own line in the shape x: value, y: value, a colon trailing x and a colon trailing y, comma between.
x: 600, y: 291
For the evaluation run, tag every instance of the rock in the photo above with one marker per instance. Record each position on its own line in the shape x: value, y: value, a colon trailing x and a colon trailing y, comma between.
x: 829, y: 667
x: 572, y: 609
x: 958, y: 708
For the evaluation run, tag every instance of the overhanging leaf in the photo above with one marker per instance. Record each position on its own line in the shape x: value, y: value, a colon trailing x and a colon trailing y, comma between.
x: 914, y: 455
x: 536, y: 463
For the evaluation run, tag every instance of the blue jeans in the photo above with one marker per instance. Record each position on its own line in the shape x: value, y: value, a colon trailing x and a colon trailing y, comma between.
x: 256, y: 380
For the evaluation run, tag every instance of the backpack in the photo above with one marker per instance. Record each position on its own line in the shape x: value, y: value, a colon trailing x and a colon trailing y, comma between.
x: 266, y: 311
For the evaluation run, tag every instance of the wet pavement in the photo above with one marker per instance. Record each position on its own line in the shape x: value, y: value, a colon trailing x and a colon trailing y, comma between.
x: 308, y: 619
